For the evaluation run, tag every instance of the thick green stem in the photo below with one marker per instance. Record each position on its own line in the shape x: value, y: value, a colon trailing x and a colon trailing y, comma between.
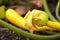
x: 49, y: 13
x: 26, y: 34
x: 57, y: 9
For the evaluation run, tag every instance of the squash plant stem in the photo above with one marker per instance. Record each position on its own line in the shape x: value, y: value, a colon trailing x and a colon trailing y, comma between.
x: 47, y: 10
x: 57, y: 10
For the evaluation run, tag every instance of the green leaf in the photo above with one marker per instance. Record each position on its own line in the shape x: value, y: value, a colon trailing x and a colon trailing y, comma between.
x: 1, y: 1
x: 5, y: 1
x: 2, y: 12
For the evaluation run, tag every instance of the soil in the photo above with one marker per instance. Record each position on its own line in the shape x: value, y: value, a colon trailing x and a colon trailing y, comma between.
x: 6, y: 34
